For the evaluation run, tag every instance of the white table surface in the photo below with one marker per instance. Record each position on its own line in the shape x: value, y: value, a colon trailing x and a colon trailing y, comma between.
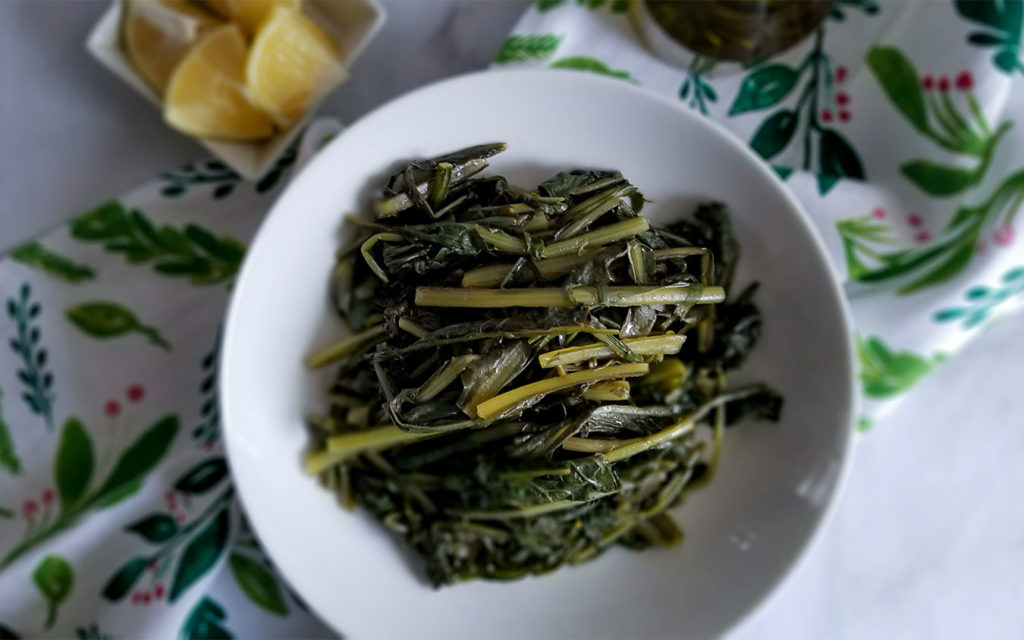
x: 927, y: 538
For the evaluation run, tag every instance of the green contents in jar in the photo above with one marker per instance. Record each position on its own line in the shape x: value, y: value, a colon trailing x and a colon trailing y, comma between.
x: 738, y: 30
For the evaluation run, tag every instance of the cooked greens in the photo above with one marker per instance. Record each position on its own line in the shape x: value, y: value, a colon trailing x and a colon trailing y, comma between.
x: 531, y: 376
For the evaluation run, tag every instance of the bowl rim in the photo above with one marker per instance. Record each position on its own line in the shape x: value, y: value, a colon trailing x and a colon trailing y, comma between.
x: 727, y: 137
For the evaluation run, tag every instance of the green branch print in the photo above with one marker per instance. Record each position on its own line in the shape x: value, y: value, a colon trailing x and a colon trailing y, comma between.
x: 38, y: 382
x: 768, y: 85
x: 211, y: 172
x: 885, y: 373
x: 868, y: 260
x: 937, y: 117
x: 9, y: 459
x: 73, y: 469
x: 981, y: 301
x: 37, y: 256
x: 91, y: 632
x: 525, y: 47
x: 593, y: 65
x: 104, y: 320
x: 202, y: 539
x: 54, y: 578
x: 1004, y: 22
x: 696, y: 87
x: 206, y: 622
x: 193, y: 252
x: 255, y: 574
x: 207, y: 432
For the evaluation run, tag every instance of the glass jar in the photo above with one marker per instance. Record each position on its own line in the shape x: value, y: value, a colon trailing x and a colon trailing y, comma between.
x: 739, y: 31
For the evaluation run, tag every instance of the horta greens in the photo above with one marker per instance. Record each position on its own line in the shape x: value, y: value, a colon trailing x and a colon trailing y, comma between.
x: 532, y: 375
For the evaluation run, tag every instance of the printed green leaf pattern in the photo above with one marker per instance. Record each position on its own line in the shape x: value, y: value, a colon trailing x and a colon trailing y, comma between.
x: 765, y: 87
x: 937, y: 179
x: 938, y: 118
x: 868, y: 261
x: 104, y: 320
x: 774, y: 133
x: 900, y: 83
x: 768, y: 85
x: 258, y: 583
x: 982, y: 301
x: 194, y: 545
x: 206, y: 622
x: 585, y: 63
x: 885, y: 373
x: 211, y: 172
x: 91, y: 632
x: 696, y: 86
x: 207, y: 432
x: 54, y: 578
x: 1006, y: 21
x: 280, y: 168
x: 74, y: 464
x: 156, y: 528
x: 523, y: 47
x: 870, y: 7
x: 39, y: 257
x: 202, y: 553
x: 192, y: 253
x: 9, y: 459
x: 547, y: 5
x: 122, y: 582
x: 837, y: 157
x: 203, y: 477
x: 38, y: 382
x: 130, y: 469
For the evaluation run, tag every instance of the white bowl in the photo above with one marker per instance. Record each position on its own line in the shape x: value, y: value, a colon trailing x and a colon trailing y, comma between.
x: 743, y: 531
x: 352, y: 23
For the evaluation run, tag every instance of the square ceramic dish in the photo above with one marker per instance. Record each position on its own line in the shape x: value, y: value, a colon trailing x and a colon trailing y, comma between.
x: 352, y: 23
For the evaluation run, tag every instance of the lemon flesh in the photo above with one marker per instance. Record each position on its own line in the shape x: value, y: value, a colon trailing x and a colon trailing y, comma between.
x: 206, y: 95
x: 292, y: 64
x: 158, y: 34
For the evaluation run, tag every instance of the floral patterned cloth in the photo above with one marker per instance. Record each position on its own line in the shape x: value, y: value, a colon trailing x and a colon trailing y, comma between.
x: 893, y: 123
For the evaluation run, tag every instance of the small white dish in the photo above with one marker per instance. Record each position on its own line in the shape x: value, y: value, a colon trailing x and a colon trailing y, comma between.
x: 352, y: 23
x: 743, y: 531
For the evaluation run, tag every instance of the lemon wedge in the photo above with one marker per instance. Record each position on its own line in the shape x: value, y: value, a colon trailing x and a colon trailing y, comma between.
x: 250, y: 13
x: 206, y: 94
x: 157, y: 34
x: 292, y: 64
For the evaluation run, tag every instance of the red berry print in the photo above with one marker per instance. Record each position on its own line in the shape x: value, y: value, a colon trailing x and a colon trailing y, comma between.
x: 112, y: 408
x: 944, y: 84
x: 180, y: 518
x: 915, y: 219
x: 1003, y: 236
x: 145, y: 597
x: 208, y: 446
x: 48, y: 496
x: 964, y: 81
x: 928, y: 83
x: 844, y: 115
x: 136, y: 392
x: 842, y: 98
x: 878, y: 213
x: 29, y: 509
x: 840, y: 73
x: 158, y: 591
x: 826, y: 116
x: 922, y: 236
x: 136, y: 597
